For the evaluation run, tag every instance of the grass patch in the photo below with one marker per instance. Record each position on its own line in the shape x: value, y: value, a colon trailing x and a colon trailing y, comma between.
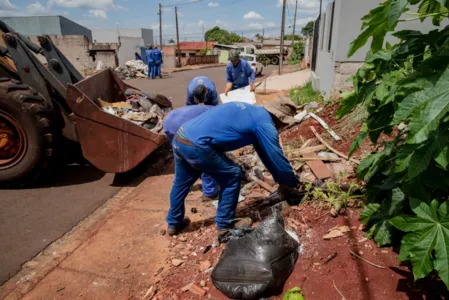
x: 305, y: 95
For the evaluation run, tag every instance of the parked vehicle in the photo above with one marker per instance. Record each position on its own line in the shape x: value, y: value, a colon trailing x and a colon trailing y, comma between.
x: 272, y: 54
x: 45, y: 113
x: 255, y: 65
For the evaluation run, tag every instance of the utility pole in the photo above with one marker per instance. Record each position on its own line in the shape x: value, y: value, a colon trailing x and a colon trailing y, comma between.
x: 263, y: 34
x: 177, y: 36
x: 203, y: 33
x: 294, y: 24
x: 281, y: 56
x: 160, y: 24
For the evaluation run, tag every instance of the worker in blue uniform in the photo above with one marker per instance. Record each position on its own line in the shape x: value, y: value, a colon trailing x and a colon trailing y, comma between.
x: 173, y: 122
x: 239, y: 73
x: 200, y: 145
x: 150, y: 60
x: 158, y: 61
x: 201, y: 90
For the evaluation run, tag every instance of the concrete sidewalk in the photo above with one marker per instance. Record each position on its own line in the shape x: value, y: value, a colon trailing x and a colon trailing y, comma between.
x: 113, y: 254
x: 287, y: 81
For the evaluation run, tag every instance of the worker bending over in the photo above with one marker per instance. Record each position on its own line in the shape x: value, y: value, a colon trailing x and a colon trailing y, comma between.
x: 239, y: 73
x: 200, y: 146
x: 172, y: 122
x: 201, y: 90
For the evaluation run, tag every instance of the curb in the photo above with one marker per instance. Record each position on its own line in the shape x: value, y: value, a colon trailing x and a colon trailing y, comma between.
x: 191, y: 69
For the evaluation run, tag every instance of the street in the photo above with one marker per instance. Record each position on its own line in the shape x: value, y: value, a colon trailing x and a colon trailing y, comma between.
x: 31, y: 219
x: 175, y: 86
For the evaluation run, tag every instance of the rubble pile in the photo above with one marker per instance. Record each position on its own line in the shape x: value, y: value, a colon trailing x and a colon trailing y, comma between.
x: 132, y: 69
x: 141, y: 108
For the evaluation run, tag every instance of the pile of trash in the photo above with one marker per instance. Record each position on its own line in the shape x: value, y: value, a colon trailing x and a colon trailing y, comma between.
x: 132, y: 69
x: 142, y: 108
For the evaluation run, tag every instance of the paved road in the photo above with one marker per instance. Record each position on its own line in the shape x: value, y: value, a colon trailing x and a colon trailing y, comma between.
x: 31, y: 219
x: 175, y: 86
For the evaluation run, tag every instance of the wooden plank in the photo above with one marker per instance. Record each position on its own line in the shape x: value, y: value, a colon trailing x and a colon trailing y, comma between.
x: 313, y: 159
x: 307, y: 150
x: 263, y: 184
x: 318, y: 168
x: 330, y: 147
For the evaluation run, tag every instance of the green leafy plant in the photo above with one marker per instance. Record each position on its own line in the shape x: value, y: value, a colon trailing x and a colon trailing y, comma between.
x: 305, y: 95
x: 405, y: 89
x: 298, y: 53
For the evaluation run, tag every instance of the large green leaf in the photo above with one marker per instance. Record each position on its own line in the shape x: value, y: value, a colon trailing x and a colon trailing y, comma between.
x: 397, y: 7
x: 432, y: 108
x: 358, y: 141
x: 427, y: 233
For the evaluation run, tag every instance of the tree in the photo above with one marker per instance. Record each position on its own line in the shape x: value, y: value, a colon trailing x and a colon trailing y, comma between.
x: 171, y: 41
x: 290, y: 37
x: 259, y: 37
x: 222, y: 36
x: 307, y: 30
x: 298, y: 53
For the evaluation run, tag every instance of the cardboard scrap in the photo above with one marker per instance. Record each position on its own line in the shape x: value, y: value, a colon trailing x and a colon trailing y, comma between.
x: 336, y: 232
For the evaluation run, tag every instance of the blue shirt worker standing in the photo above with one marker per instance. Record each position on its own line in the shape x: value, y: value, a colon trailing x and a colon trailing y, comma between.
x: 200, y: 146
x: 201, y: 90
x: 172, y: 122
x: 158, y: 61
x: 150, y: 60
x: 239, y: 73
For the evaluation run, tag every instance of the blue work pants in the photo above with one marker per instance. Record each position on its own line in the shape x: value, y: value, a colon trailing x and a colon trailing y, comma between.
x: 150, y: 69
x: 190, y: 162
x: 157, y: 70
x: 209, y: 185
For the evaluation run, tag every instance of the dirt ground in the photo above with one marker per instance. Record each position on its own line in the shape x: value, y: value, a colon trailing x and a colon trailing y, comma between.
x: 346, y: 267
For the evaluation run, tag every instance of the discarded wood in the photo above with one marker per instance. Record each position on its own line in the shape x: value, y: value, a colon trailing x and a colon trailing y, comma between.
x: 150, y: 293
x: 307, y: 150
x: 330, y: 147
x: 194, y: 289
x: 313, y: 158
x: 317, y: 166
x: 262, y: 184
x: 367, y: 261
x: 341, y: 295
x: 322, y: 216
x: 331, y: 132
x: 330, y: 257
x: 307, y: 143
x: 298, y: 166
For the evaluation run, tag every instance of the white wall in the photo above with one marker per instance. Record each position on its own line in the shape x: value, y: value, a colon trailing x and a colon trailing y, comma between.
x: 346, y: 27
x: 111, y: 35
x: 128, y: 46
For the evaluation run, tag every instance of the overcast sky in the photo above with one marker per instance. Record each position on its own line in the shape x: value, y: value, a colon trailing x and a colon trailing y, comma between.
x: 246, y: 17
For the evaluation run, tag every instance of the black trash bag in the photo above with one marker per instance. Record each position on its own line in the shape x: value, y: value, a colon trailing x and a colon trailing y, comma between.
x: 258, y: 264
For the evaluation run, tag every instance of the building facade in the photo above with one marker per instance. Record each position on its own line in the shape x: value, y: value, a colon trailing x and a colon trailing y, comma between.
x: 114, y: 35
x: 339, y: 26
x: 47, y: 25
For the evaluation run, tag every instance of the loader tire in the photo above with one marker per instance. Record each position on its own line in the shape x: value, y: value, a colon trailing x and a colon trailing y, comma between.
x: 30, y: 116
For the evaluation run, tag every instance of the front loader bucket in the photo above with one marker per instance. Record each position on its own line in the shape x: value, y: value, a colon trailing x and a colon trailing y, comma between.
x: 110, y: 143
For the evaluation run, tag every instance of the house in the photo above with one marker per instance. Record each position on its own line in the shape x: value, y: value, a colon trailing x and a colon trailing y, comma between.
x: 339, y: 26
x: 190, y: 51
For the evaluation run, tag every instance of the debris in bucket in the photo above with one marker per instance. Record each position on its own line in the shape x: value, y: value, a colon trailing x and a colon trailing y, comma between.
x: 132, y: 69
x: 144, y: 109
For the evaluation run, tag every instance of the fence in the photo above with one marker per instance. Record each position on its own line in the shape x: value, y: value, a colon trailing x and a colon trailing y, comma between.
x: 202, y: 60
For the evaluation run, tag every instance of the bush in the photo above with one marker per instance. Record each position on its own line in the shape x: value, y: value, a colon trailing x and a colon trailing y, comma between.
x: 305, y: 95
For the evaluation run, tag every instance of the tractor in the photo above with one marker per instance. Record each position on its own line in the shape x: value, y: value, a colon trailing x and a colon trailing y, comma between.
x: 49, y: 115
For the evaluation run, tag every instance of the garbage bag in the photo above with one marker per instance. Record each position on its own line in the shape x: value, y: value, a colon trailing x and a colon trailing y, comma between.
x: 258, y: 264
